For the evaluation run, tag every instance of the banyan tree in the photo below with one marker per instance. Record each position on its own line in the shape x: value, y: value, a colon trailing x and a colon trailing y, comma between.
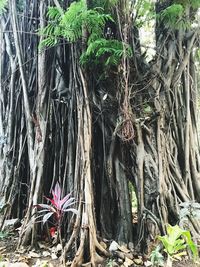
x: 80, y: 104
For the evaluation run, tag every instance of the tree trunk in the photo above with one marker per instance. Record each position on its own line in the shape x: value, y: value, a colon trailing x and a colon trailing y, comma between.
x: 62, y: 122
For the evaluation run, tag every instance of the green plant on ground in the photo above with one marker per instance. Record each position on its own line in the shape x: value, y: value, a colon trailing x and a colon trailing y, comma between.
x: 157, y: 258
x: 110, y: 263
x: 3, y: 235
x: 176, y: 243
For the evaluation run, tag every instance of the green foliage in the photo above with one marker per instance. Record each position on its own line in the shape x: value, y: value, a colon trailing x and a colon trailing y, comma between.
x: 52, y: 32
x: 3, y: 235
x: 71, y: 25
x: 144, y: 12
x: 75, y: 23
x: 110, y: 263
x: 176, y: 241
x: 105, y: 4
x: 133, y: 197
x: 173, y: 17
x: 157, y: 258
x: 195, y: 3
x: 78, y: 17
x: 111, y: 51
x: 3, y: 4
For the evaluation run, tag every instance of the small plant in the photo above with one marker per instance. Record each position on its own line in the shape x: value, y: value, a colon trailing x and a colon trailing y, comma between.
x: 3, y: 235
x: 57, y: 208
x: 110, y: 263
x: 157, y: 258
x: 176, y: 242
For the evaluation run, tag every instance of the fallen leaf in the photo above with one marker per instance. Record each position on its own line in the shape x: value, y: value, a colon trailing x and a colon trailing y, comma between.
x: 59, y: 247
x: 38, y: 262
x: 123, y: 249
x: 128, y: 262
x: 53, y: 256
x: 42, y: 245
x: 138, y: 261
x: 21, y: 251
x: 113, y: 246
x: 17, y: 264
x: 23, y: 259
x: 34, y: 254
x: 46, y: 253
x: 147, y: 263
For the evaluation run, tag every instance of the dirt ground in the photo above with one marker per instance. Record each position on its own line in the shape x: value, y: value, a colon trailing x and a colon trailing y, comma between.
x: 185, y: 264
x: 49, y: 256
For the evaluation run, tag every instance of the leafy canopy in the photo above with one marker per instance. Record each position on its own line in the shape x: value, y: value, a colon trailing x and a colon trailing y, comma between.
x: 144, y: 12
x: 176, y: 15
x: 77, y: 20
x: 71, y: 24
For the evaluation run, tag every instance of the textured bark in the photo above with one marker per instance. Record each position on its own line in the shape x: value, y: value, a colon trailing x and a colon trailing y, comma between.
x: 56, y: 125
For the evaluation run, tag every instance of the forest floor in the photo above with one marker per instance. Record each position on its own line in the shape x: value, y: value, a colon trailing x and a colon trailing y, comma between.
x: 47, y: 255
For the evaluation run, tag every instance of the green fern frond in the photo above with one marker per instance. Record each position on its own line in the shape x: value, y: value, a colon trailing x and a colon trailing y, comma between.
x: 53, y: 30
x: 51, y: 34
x: 72, y: 21
x: 173, y: 12
x: 71, y: 24
x: 111, y: 51
x: 77, y: 18
x: 48, y: 42
x: 54, y: 13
